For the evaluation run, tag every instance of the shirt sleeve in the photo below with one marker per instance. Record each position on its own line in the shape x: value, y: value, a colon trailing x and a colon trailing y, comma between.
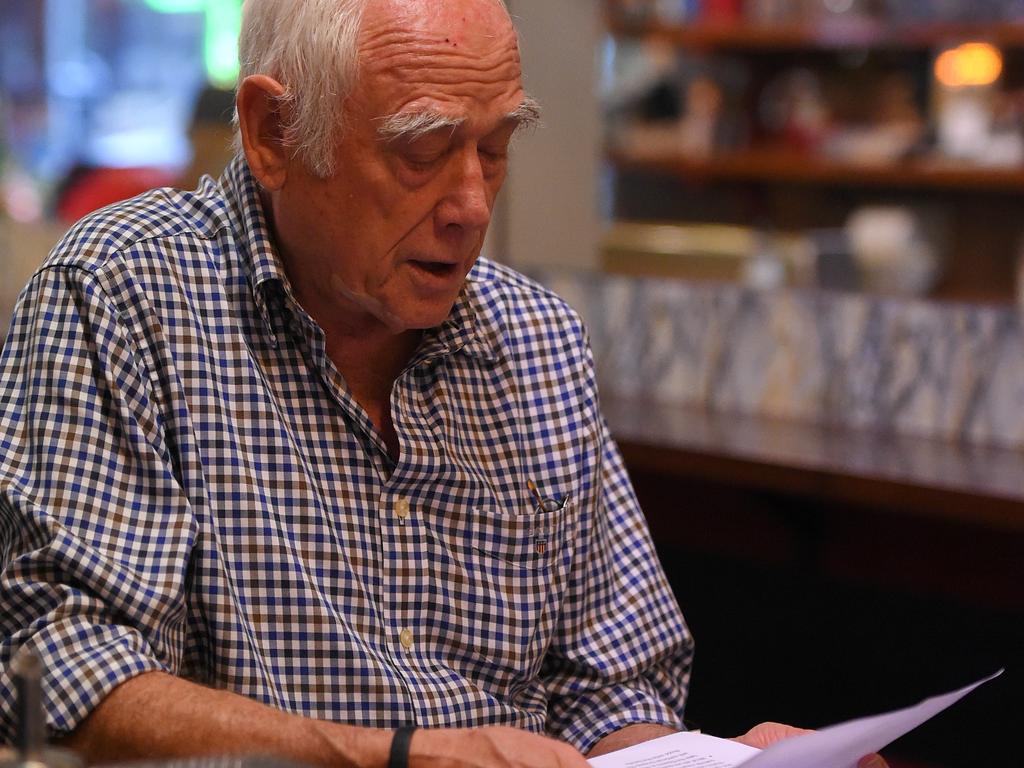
x: 623, y: 652
x: 95, y: 531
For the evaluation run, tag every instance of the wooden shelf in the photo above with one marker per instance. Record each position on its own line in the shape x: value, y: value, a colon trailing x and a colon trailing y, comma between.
x: 825, y: 35
x: 779, y: 166
x: 798, y: 190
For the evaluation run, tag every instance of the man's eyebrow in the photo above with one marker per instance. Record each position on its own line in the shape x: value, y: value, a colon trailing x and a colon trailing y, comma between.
x: 526, y: 115
x: 411, y: 125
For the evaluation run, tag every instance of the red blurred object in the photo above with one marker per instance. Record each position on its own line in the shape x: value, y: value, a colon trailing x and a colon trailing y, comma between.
x: 722, y: 10
x: 89, y: 189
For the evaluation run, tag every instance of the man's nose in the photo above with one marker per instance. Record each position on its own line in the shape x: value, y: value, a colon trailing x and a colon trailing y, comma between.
x: 467, y: 206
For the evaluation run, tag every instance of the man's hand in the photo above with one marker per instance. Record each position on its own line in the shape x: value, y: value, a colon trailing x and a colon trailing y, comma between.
x: 766, y: 734
x: 628, y: 736
x: 185, y: 720
x: 490, y: 747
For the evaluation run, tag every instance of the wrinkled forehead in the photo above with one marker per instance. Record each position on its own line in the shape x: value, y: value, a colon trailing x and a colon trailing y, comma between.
x: 467, y: 27
x: 458, y: 51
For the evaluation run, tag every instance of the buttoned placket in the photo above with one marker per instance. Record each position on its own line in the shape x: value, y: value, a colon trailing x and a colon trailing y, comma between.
x: 396, y: 509
x: 403, y: 555
x: 401, y: 541
x: 402, y: 535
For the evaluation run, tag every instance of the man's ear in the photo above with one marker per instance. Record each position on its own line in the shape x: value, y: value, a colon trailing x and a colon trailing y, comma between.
x: 261, y: 126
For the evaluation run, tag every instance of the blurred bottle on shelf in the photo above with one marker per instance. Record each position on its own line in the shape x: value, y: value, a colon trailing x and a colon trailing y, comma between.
x: 975, y: 119
x: 765, y: 269
x: 698, y: 127
x: 787, y: 11
x: 895, y: 249
x: 722, y: 11
x: 676, y: 11
x: 633, y: 11
x: 917, y: 11
x: 768, y: 11
x: 793, y: 110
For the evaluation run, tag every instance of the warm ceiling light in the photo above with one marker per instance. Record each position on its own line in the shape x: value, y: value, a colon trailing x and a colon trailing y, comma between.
x: 969, y: 64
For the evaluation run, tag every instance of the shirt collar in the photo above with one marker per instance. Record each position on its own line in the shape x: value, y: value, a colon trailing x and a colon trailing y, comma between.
x: 469, y: 327
x: 259, y: 256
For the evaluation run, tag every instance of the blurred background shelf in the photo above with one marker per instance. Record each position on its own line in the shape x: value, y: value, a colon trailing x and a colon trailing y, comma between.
x: 834, y: 34
x: 784, y: 166
x: 830, y: 114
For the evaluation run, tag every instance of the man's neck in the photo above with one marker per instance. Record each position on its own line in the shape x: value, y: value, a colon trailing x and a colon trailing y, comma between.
x: 370, y: 364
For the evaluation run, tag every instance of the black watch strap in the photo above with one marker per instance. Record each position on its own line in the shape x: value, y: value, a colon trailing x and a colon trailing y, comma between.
x: 400, y: 742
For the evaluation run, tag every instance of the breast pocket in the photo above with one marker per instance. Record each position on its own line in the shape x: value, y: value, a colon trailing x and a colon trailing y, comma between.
x: 528, y: 539
x: 500, y: 574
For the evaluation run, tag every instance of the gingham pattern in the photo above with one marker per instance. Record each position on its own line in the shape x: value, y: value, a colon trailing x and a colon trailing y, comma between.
x: 185, y: 485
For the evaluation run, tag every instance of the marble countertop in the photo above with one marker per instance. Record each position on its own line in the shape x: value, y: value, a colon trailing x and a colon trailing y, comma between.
x: 922, y: 369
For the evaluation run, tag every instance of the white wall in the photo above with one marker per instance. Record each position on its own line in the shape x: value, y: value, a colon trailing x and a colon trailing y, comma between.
x: 549, y: 211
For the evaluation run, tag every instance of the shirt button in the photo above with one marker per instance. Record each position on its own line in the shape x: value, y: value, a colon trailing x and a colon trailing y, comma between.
x: 402, y: 508
x: 405, y: 637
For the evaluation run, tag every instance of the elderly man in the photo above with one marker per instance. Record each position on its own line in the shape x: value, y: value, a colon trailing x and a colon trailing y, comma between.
x: 284, y: 466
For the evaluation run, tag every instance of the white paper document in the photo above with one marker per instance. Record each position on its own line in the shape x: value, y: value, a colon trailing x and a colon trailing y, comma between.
x: 838, y: 746
x: 680, y: 750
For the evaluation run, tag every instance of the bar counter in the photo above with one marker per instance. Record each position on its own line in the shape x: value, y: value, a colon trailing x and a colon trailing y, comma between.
x: 975, y: 484
x: 828, y: 572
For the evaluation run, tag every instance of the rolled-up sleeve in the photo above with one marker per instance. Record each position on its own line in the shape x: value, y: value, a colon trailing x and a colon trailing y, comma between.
x: 95, y: 531
x: 623, y: 652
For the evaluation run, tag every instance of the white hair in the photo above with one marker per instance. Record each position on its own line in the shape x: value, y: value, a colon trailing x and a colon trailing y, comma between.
x: 311, y: 47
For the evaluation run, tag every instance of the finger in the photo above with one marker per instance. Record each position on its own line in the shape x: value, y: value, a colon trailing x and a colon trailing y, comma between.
x: 766, y: 734
x: 872, y: 761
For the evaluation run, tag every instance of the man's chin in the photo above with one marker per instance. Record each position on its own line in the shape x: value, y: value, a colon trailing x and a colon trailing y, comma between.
x: 426, y: 321
x: 418, y: 318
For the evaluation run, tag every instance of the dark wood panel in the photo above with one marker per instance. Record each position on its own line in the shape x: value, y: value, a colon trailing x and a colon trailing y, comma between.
x: 831, y: 573
x: 979, y: 485
x: 782, y: 166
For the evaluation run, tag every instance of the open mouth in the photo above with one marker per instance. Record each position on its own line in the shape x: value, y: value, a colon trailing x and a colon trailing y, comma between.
x: 438, y: 268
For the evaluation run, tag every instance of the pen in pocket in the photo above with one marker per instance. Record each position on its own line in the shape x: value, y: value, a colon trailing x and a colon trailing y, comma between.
x: 545, y: 503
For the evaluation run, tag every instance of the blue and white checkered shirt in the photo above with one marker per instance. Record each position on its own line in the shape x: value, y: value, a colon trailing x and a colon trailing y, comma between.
x: 186, y: 485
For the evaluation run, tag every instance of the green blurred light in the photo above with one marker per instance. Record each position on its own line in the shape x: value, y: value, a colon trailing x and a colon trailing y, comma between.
x: 220, y: 45
x: 178, y: 6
